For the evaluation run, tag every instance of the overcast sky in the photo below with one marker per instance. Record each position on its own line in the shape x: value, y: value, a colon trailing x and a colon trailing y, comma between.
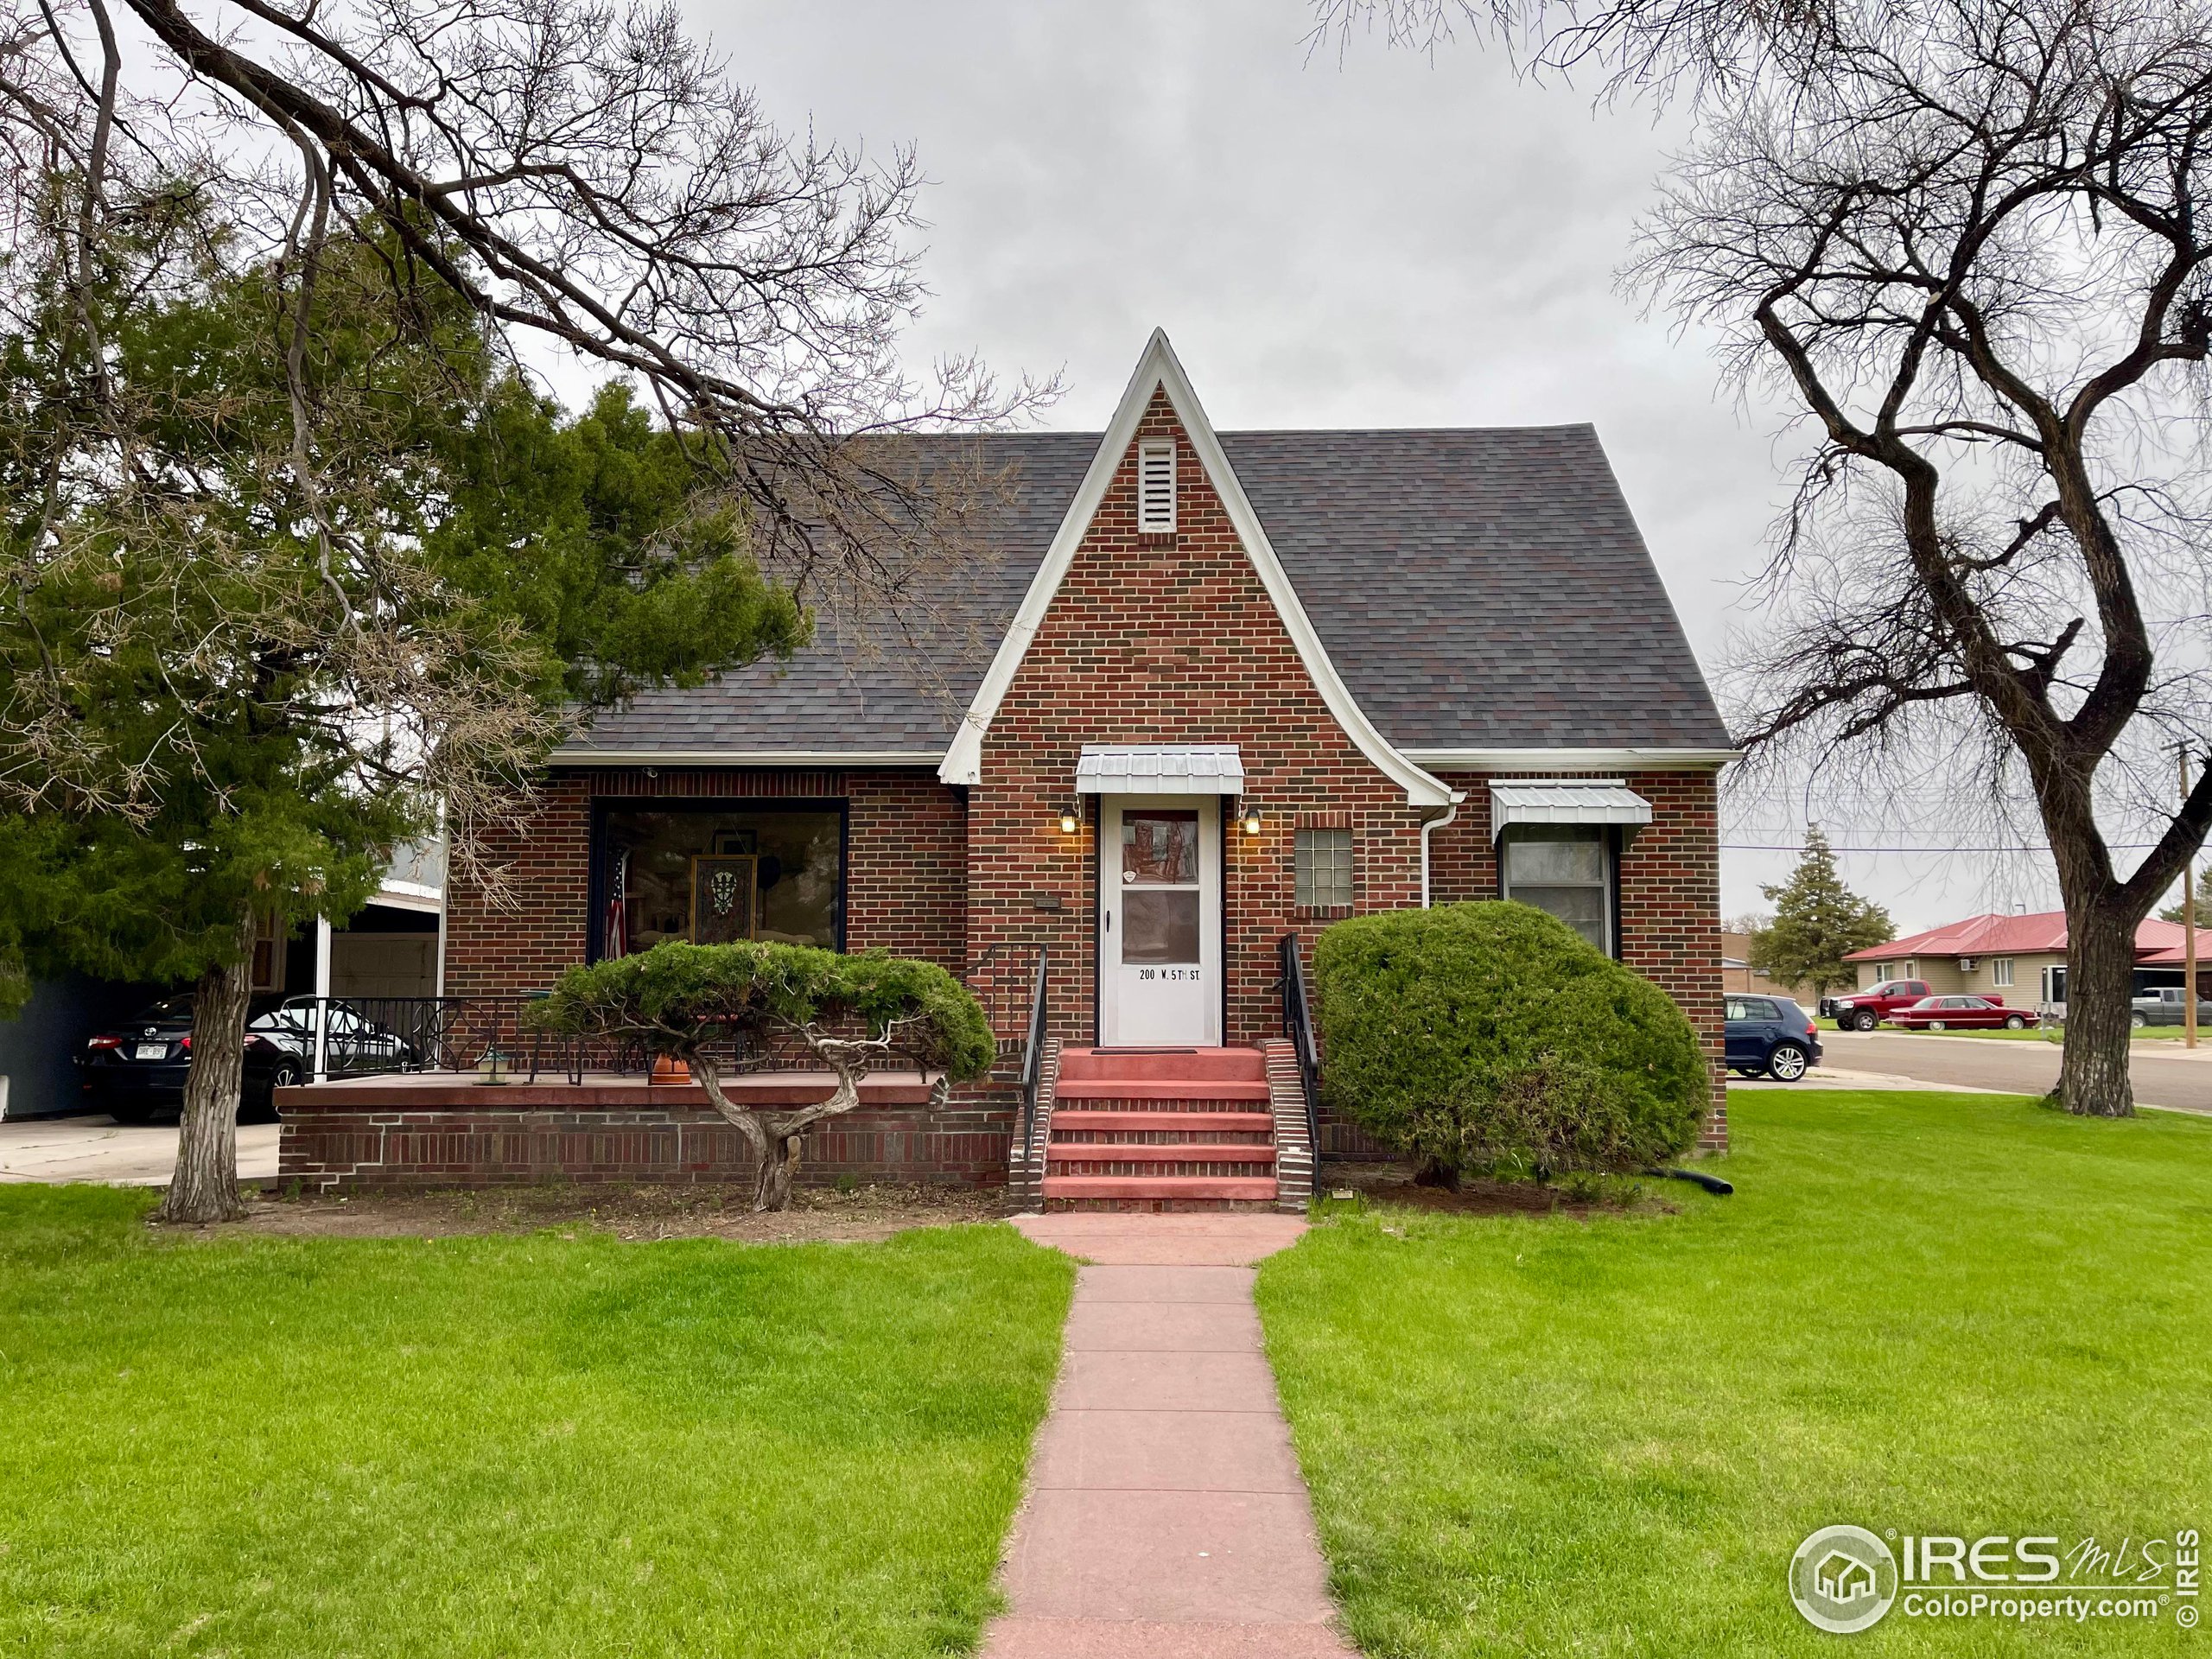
x: 1384, y: 241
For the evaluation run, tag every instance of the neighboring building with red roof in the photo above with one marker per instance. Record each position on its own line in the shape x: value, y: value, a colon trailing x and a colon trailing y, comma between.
x: 2010, y: 958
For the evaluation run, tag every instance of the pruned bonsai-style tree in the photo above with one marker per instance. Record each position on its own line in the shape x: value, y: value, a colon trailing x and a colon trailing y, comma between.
x: 853, y: 1012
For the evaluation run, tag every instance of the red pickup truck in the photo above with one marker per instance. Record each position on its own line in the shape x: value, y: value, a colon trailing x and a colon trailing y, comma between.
x: 1864, y: 1010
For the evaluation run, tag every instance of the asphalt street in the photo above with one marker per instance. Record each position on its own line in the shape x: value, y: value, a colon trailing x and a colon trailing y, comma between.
x: 2164, y: 1073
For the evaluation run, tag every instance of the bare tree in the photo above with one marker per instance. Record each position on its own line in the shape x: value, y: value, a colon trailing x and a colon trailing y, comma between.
x: 582, y: 172
x: 1968, y: 240
x: 1974, y: 251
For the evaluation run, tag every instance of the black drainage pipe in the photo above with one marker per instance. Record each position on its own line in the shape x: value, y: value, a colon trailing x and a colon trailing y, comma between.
x: 1696, y: 1177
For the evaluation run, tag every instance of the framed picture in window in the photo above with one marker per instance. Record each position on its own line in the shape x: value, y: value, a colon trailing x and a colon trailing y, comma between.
x: 723, y: 887
x: 737, y: 841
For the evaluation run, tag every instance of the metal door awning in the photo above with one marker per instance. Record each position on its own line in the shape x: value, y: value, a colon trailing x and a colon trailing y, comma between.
x: 1566, y: 800
x: 1160, y: 769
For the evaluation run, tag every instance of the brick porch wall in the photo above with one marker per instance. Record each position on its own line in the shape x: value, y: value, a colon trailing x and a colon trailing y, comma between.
x: 1170, y: 639
x: 966, y: 1145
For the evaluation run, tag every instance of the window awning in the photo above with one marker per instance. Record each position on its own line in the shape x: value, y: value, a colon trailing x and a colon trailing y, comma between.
x: 1160, y: 769
x: 1564, y: 800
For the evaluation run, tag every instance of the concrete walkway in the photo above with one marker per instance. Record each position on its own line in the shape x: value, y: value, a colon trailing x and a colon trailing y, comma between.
x: 1166, y: 1516
x: 99, y: 1149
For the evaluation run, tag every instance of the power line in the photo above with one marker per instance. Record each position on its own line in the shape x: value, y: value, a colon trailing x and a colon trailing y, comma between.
x: 1799, y: 846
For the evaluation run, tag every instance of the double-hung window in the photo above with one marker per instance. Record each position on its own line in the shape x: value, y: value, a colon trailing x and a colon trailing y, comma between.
x: 1567, y: 869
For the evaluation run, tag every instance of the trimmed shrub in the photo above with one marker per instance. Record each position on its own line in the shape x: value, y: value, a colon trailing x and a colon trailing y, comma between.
x: 1490, y: 1038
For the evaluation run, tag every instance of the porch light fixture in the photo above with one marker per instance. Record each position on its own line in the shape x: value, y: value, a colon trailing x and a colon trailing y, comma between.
x: 1250, y: 814
x: 1071, y: 820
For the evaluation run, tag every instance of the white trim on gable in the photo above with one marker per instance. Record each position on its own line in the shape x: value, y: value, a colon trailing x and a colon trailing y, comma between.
x: 1159, y: 369
x: 1651, y: 760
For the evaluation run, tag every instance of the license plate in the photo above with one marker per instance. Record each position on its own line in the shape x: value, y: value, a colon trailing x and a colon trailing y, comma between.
x: 152, y: 1051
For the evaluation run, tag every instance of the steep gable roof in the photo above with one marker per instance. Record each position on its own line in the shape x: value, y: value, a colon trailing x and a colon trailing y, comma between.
x: 1474, y: 590
x: 1158, y: 372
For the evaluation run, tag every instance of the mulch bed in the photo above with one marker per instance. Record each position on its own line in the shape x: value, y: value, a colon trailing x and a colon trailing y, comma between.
x: 643, y: 1211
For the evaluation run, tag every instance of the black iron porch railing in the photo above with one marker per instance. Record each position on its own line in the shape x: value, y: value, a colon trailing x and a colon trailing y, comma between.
x: 379, y: 1036
x: 373, y: 1036
x: 1032, y: 1056
x: 1009, y: 980
x: 1298, y: 1026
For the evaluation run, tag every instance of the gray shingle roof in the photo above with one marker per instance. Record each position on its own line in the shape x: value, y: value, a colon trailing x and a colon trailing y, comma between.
x: 1476, y: 588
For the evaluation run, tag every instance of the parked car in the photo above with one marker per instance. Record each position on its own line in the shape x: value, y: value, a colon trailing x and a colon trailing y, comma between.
x: 1769, y: 1035
x: 1864, y: 1010
x: 354, y: 1045
x: 2166, y: 1006
x: 1960, y: 1014
x: 135, y: 1071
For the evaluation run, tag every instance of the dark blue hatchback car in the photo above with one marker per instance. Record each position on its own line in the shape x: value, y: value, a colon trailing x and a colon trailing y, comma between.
x: 1769, y: 1034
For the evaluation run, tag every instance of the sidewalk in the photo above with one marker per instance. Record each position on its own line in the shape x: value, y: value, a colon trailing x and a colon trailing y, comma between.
x: 97, y: 1148
x: 1165, y: 1516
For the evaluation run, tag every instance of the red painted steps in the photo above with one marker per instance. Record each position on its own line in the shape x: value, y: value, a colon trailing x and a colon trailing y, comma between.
x: 1160, y: 1130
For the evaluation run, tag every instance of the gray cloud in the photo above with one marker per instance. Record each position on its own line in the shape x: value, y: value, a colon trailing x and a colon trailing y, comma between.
x: 1386, y: 241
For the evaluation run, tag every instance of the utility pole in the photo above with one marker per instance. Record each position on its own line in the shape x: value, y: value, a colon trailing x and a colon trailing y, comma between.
x: 2187, y: 926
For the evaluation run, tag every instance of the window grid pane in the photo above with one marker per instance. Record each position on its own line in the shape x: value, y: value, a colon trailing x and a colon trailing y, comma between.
x: 1322, y: 870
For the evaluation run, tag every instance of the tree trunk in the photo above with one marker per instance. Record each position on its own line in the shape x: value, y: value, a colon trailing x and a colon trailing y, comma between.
x: 204, y: 1186
x: 772, y: 1185
x: 756, y: 1138
x: 2092, y: 1080
x: 775, y: 1143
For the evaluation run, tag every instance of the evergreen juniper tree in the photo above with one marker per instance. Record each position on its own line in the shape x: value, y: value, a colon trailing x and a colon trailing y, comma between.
x: 1818, y: 921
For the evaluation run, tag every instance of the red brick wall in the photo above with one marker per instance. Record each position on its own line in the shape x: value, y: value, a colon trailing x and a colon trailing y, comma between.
x: 351, y: 1146
x: 519, y: 938
x: 1169, y: 639
x: 905, y: 879
x: 1670, y: 910
x: 904, y: 891
x: 907, y: 866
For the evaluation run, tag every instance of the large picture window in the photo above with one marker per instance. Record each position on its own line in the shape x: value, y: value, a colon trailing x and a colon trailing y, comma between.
x: 1566, y: 869
x: 721, y: 874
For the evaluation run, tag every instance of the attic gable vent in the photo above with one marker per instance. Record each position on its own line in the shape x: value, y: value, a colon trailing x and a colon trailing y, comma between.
x: 1156, y: 489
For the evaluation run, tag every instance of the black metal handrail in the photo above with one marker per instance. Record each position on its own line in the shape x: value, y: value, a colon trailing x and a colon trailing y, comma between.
x: 1032, y: 1056
x: 1298, y: 1026
x: 372, y: 1036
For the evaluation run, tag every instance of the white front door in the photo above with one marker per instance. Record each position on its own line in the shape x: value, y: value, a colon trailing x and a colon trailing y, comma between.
x: 1160, y: 921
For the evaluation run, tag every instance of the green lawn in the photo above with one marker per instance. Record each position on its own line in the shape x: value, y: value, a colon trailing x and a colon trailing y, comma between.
x: 1941, y: 1314
x: 539, y: 1444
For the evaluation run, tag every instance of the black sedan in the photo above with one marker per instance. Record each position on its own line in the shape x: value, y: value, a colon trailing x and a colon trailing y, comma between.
x: 135, y: 1071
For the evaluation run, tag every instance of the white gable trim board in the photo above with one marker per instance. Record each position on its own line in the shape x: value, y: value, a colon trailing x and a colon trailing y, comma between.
x: 1158, y: 368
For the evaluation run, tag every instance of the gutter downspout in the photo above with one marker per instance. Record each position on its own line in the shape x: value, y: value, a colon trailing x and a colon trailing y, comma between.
x: 1427, y: 829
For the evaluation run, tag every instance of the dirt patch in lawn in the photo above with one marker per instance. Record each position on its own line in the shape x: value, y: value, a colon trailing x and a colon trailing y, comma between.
x: 1395, y: 1184
x: 816, y: 1214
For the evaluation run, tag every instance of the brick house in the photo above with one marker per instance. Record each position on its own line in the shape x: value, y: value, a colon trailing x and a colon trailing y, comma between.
x: 1203, y: 690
